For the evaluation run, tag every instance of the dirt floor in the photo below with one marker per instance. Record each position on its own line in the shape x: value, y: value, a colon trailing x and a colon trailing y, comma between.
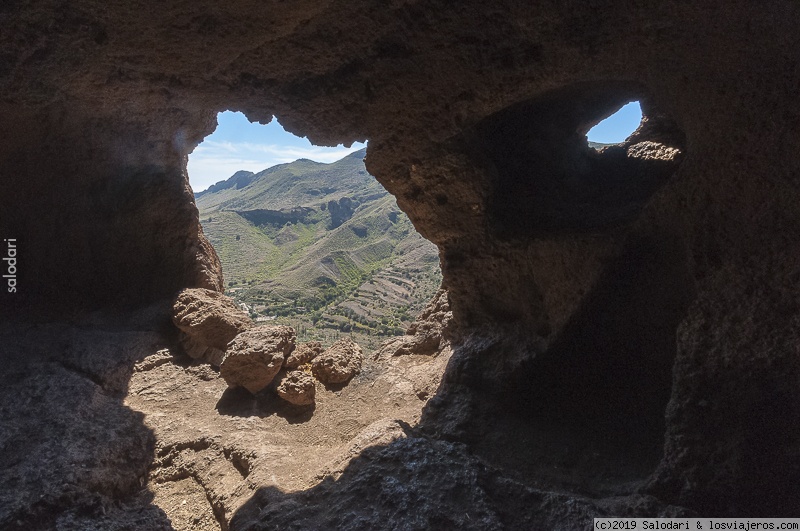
x: 216, y: 446
x: 104, y: 428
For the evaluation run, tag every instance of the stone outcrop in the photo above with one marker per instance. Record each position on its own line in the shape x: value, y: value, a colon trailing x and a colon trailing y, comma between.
x: 254, y: 357
x: 296, y: 387
x: 303, y: 353
x: 339, y: 362
x: 427, y: 335
x: 208, y: 321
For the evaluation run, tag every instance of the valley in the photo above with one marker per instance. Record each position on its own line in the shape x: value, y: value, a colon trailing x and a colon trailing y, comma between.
x: 322, y: 248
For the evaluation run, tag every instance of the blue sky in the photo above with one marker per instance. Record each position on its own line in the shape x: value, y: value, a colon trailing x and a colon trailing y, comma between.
x: 237, y: 144
x: 618, y: 126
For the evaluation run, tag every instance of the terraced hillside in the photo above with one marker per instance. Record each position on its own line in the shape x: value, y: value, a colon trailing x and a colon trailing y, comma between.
x: 321, y: 247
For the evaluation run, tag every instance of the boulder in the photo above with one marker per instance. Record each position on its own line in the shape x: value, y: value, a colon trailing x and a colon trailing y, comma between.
x: 304, y: 353
x: 255, y: 356
x: 340, y: 362
x: 208, y: 321
x: 296, y: 387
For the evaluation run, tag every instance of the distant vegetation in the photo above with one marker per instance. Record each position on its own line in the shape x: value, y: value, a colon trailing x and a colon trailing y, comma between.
x: 321, y: 247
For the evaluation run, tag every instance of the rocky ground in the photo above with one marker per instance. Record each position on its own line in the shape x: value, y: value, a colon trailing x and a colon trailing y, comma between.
x: 156, y: 440
x: 109, y: 426
x: 126, y: 431
x: 215, y: 447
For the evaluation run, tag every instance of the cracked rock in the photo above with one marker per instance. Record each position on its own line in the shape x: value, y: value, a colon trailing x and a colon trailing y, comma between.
x: 254, y: 357
x: 340, y: 362
x: 304, y: 353
x: 208, y: 321
x: 296, y: 387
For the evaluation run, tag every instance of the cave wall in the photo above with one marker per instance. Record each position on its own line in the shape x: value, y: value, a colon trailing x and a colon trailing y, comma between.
x: 101, y: 211
x: 102, y: 104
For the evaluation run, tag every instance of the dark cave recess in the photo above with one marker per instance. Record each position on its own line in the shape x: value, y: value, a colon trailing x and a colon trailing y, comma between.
x: 546, y: 178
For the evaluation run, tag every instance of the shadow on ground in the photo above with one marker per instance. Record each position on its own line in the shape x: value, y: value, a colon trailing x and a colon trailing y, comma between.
x: 417, y: 483
x: 72, y: 455
x: 239, y: 402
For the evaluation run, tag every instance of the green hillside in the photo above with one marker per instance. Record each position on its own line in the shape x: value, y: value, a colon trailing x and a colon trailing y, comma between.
x: 321, y: 247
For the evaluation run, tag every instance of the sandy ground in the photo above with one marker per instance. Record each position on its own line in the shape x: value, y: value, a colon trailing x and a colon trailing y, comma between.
x: 216, y: 446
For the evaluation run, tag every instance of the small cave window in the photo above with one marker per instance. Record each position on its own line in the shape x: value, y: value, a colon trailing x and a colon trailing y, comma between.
x: 306, y: 236
x: 616, y: 128
x: 547, y: 179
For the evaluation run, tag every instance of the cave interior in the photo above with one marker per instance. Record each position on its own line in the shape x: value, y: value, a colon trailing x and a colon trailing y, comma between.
x: 626, y: 320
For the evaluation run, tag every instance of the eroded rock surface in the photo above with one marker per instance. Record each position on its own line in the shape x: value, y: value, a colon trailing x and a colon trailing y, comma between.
x: 627, y: 319
x: 208, y: 321
x: 303, y: 353
x: 427, y: 335
x: 296, y: 387
x: 70, y: 446
x: 216, y: 447
x: 339, y: 362
x: 254, y: 357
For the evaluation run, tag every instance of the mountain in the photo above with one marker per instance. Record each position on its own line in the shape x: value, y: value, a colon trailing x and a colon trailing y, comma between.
x: 599, y: 145
x: 238, y: 180
x: 321, y: 247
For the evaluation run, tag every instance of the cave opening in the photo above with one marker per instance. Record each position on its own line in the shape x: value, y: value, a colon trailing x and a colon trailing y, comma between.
x: 587, y: 411
x: 616, y: 128
x: 546, y: 178
x: 307, y: 237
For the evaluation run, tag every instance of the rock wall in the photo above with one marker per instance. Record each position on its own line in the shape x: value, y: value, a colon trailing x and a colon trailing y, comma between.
x: 101, y: 211
x: 475, y: 115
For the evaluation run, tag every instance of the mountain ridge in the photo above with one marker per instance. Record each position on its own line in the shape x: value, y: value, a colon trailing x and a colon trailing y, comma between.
x: 239, y: 180
x: 322, y: 247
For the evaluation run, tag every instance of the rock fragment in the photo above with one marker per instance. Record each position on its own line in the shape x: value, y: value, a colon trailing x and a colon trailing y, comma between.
x: 198, y: 350
x: 340, y: 362
x: 304, y: 353
x: 255, y: 356
x: 426, y: 335
x: 296, y: 387
x: 208, y: 321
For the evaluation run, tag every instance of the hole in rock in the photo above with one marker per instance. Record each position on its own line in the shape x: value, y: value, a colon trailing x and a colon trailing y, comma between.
x: 307, y: 237
x: 546, y: 178
x: 587, y: 414
x: 616, y: 128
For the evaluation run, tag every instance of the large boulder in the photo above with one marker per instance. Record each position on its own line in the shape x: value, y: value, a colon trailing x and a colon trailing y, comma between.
x: 296, y: 387
x: 208, y: 321
x: 304, y: 353
x: 340, y: 362
x: 255, y: 356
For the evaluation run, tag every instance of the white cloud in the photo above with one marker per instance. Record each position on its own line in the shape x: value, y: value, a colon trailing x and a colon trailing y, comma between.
x: 214, y: 161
